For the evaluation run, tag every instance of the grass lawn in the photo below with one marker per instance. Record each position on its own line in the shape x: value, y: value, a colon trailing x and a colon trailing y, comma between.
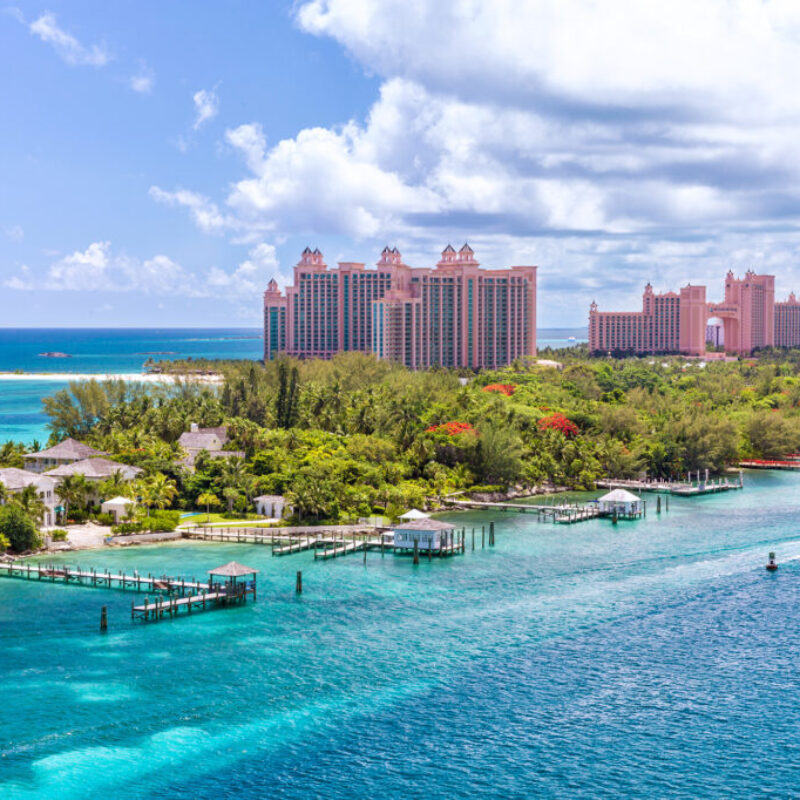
x: 200, y: 519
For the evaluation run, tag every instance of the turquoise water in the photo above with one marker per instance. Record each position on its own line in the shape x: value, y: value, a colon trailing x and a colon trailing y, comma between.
x: 123, y: 351
x: 652, y: 659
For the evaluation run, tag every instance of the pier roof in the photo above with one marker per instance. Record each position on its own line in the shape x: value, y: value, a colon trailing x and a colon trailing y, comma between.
x: 425, y: 525
x: 233, y: 569
x: 619, y: 496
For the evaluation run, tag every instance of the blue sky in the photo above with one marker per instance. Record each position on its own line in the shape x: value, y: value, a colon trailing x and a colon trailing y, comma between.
x: 161, y: 161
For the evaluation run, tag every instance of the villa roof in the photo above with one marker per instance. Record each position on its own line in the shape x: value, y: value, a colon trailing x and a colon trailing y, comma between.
x: 197, y: 440
x: 619, y: 496
x: 93, y: 468
x: 425, y: 525
x: 233, y: 569
x: 13, y: 478
x: 69, y: 448
x: 270, y: 498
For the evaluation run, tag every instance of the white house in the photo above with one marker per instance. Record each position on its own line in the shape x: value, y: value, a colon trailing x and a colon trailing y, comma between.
x: 429, y: 534
x: 210, y: 440
x: 15, y: 480
x: 270, y: 505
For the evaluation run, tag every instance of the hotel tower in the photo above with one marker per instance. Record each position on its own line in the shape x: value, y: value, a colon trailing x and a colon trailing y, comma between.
x: 748, y: 319
x: 455, y: 314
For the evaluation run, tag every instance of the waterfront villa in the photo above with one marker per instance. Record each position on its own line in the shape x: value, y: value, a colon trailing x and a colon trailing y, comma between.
x: 622, y: 503
x: 15, y: 480
x: 212, y: 440
x: 67, y: 452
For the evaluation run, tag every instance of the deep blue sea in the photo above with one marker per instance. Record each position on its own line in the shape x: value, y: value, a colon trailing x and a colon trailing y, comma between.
x: 654, y: 659
x: 118, y: 351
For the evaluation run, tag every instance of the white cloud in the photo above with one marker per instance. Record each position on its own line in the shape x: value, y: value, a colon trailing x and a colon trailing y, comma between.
x: 99, y: 269
x: 608, y: 142
x: 206, y: 214
x: 206, y: 106
x: 66, y: 45
x: 14, y: 232
x: 142, y: 82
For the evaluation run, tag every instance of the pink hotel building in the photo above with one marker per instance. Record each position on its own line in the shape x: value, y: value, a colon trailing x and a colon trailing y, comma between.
x: 454, y: 315
x: 677, y: 323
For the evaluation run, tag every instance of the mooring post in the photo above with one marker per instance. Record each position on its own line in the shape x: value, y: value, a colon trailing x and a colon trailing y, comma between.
x: 666, y: 500
x: 103, y: 619
x: 483, y: 536
x: 473, y: 539
x: 658, y: 504
x: 614, y: 516
x: 365, y: 552
x: 416, y: 551
x: 299, y: 583
x: 491, y: 534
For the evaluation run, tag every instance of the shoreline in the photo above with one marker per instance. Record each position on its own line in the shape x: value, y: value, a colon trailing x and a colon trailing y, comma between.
x: 131, y: 377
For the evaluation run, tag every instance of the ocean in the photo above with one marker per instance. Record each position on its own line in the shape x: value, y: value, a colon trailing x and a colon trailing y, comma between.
x: 652, y: 659
x: 119, y: 351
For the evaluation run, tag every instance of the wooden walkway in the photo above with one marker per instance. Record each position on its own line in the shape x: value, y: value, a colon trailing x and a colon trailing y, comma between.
x: 563, y: 514
x: 102, y: 579
x: 762, y: 463
x: 172, y: 606
x: 680, y: 488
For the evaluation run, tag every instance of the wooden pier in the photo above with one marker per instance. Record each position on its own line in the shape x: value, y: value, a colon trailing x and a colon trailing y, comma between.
x: 688, y: 488
x: 565, y: 514
x: 790, y: 463
x: 102, y: 579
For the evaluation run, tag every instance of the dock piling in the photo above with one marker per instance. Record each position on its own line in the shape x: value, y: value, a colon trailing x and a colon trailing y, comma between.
x: 103, y: 619
x: 298, y: 587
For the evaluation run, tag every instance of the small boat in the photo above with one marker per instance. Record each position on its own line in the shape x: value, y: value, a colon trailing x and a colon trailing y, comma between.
x: 771, y: 564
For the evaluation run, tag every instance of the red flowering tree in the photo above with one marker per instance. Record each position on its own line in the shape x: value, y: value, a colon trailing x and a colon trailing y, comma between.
x: 558, y: 422
x: 452, y: 428
x: 501, y: 388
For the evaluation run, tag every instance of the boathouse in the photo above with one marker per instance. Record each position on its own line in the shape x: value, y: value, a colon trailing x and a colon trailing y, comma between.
x: 240, y: 580
x: 621, y: 503
x: 117, y: 506
x: 428, y: 534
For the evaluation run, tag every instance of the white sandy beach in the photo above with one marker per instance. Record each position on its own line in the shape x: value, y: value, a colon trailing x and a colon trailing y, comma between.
x: 138, y: 377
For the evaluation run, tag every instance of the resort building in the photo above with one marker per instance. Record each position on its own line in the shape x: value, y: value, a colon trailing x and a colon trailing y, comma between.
x: 787, y: 323
x: 746, y: 320
x: 15, y: 480
x: 67, y: 452
x: 455, y: 314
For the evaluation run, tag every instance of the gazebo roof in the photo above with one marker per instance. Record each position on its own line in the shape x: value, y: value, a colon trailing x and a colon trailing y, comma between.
x: 414, y: 514
x: 119, y: 499
x: 426, y: 524
x: 69, y: 448
x: 233, y: 569
x: 619, y: 496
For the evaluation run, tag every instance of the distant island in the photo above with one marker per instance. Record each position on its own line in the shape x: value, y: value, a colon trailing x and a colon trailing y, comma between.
x: 54, y: 355
x: 158, y: 353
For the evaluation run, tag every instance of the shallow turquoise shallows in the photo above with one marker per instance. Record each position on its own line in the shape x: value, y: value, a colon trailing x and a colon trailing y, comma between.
x: 657, y: 658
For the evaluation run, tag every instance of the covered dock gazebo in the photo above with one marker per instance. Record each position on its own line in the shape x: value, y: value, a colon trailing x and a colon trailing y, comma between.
x: 621, y: 503
x: 239, y: 580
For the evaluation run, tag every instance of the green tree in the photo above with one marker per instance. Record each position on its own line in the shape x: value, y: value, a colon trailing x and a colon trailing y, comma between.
x: 72, y: 491
x: 31, y: 503
x: 158, y: 491
x: 18, y: 528
x: 209, y: 500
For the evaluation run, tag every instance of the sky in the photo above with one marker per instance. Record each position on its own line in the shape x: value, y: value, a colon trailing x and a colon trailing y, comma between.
x: 160, y: 162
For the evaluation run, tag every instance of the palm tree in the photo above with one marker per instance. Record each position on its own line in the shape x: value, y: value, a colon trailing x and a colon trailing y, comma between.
x: 31, y: 503
x: 208, y: 499
x: 158, y: 491
x: 113, y: 485
x: 72, y: 490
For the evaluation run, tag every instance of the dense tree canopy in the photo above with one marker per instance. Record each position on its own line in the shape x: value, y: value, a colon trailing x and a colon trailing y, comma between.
x: 344, y: 437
